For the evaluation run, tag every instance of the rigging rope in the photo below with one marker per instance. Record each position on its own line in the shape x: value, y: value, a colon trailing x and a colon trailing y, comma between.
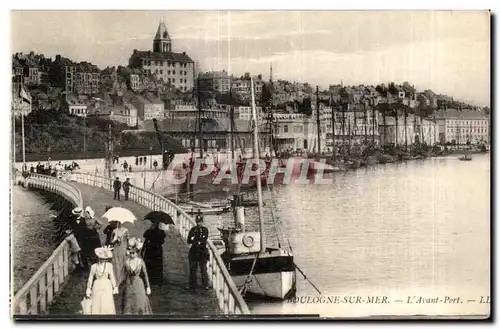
x: 243, y: 290
x: 305, y: 277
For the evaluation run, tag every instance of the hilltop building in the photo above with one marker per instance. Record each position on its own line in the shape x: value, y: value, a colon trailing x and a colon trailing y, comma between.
x: 175, y: 69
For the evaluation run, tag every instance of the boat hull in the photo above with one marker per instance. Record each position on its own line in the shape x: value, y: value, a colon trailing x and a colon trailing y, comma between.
x: 273, y: 275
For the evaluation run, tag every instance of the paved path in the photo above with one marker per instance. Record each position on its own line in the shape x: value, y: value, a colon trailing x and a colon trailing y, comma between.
x: 169, y: 299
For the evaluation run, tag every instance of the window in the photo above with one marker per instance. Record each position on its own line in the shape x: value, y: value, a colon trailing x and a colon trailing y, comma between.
x: 168, y: 72
x: 285, y: 128
x: 161, y: 71
x: 173, y: 72
x: 173, y: 80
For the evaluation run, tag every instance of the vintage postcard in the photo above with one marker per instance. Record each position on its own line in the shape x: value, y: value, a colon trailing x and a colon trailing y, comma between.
x: 250, y: 164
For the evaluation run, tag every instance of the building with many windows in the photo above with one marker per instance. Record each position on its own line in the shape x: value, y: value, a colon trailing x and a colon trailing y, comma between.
x: 83, y: 79
x: 295, y: 131
x: 175, y: 69
x: 215, y: 82
x: 462, y: 127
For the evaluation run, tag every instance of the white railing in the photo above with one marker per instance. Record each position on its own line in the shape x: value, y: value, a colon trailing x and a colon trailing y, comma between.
x: 36, y: 294
x: 228, y: 296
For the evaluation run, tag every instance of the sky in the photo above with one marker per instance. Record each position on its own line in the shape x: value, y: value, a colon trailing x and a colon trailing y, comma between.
x: 446, y: 51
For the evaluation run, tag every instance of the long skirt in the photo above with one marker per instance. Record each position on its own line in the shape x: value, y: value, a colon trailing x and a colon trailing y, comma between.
x: 90, y: 241
x: 153, y: 258
x: 102, y: 297
x: 136, y: 301
x: 118, y: 261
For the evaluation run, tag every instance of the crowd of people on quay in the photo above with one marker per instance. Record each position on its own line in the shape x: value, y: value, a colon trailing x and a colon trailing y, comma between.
x: 47, y: 168
x: 140, y: 161
x: 123, y: 268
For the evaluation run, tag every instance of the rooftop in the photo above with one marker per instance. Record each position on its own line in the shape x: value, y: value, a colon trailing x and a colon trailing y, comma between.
x: 169, y: 56
x: 456, y: 114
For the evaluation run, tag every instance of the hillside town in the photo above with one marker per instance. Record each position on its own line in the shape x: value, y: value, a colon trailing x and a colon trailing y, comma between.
x: 169, y: 86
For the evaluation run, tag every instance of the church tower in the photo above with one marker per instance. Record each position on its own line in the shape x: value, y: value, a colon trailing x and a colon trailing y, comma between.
x: 162, y: 42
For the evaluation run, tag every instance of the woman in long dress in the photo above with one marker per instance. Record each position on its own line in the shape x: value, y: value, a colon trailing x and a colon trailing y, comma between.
x: 92, y: 237
x: 119, y: 242
x: 136, y: 285
x: 101, y: 284
x: 153, y: 253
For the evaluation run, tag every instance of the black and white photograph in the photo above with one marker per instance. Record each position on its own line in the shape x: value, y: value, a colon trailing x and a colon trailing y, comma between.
x: 239, y: 164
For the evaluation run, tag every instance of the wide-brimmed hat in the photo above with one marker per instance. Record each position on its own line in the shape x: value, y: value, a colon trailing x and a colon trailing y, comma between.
x: 90, y: 211
x: 135, y: 244
x: 77, y: 211
x: 104, y: 252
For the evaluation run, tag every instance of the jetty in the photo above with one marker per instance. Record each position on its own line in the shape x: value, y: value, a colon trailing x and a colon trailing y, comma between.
x: 55, y: 290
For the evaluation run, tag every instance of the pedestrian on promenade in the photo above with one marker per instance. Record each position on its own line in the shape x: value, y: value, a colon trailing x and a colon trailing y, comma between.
x: 117, y: 185
x: 119, y: 241
x: 74, y: 248
x: 79, y: 229
x: 125, y: 166
x: 93, y: 225
x: 145, y: 160
x: 153, y: 253
x: 198, y: 253
x: 155, y: 164
x: 101, y: 285
x: 136, y: 286
x: 136, y: 161
x: 108, y: 231
x: 140, y: 161
x: 126, y: 187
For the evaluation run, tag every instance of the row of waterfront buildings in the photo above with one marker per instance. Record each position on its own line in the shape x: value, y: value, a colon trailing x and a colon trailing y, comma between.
x: 298, y: 131
x: 159, y: 84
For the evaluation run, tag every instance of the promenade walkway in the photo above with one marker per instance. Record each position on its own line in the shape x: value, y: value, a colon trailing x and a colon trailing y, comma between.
x: 170, y: 299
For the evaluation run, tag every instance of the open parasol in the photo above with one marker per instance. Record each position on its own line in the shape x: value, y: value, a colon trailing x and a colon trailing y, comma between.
x: 119, y: 214
x: 159, y: 217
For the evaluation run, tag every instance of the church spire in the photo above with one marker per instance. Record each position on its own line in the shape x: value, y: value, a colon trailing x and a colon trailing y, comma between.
x: 162, y: 42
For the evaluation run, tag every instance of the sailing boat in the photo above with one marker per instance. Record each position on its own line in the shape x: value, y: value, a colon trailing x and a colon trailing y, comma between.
x: 256, y: 268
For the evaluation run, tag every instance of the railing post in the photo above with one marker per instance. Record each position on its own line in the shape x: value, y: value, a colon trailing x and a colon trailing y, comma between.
x: 42, y: 292
x: 34, y: 300
x: 50, y: 284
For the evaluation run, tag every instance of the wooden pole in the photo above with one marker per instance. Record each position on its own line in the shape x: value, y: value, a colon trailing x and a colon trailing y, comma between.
x: 318, y: 122
x: 257, y: 158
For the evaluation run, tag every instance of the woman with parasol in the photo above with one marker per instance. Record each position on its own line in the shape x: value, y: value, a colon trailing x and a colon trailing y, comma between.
x: 153, y: 246
x: 119, y: 237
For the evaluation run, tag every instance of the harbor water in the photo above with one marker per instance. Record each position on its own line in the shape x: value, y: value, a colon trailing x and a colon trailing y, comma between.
x: 420, y: 228
x: 32, y: 230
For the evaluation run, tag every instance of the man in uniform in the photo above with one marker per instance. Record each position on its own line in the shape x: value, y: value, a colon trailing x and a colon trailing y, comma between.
x: 117, y: 185
x: 198, y: 254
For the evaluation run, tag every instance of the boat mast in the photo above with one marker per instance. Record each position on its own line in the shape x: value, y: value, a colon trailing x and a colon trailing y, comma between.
x: 231, y: 114
x: 333, y: 129
x: 200, y: 130
x: 257, y: 158
x: 271, y: 114
x: 318, y: 122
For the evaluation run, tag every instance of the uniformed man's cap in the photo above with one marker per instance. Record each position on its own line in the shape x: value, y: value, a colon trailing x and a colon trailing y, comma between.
x: 199, y: 218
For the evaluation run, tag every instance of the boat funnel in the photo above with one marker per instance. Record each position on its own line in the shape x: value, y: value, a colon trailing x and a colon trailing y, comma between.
x: 239, y: 218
